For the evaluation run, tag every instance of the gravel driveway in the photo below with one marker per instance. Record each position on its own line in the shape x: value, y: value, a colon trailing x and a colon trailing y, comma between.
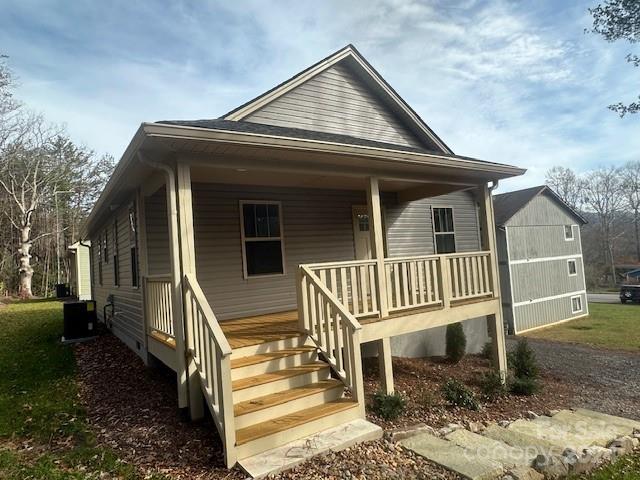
x: 607, y: 381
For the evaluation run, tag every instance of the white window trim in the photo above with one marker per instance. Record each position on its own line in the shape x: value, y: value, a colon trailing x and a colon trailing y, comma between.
x: 435, y: 234
x: 243, y: 238
x: 575, y: 263
x: 579, y: 297
x: 564, y: 231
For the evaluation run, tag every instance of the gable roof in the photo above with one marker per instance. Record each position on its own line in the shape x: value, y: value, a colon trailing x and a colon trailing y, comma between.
x: 506, y: 205
x: 348, y: 54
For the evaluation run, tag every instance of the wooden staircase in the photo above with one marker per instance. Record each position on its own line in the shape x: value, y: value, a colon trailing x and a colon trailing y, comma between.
x: 283, y: 391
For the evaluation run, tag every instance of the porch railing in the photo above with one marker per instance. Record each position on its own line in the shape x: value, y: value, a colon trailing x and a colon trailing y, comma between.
x: 211, y: 354
x: 413, y: 282
x: 334, y: 330
x: 158, y: 304
x: 470, y: 275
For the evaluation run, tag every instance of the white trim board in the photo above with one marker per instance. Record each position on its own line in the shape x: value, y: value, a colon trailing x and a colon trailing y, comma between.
x: 552, y: 297
x: 545, y: 259
x: 549, y: 325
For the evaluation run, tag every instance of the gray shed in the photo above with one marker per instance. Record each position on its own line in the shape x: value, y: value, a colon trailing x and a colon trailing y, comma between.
x: 540, y: 259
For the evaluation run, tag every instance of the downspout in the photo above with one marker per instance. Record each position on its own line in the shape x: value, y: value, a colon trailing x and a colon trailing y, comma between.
x: 176, y: 274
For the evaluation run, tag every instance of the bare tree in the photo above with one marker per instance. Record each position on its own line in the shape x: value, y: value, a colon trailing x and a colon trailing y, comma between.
x: 567, y: 185
x: 603, y: 195
x: 631, y: 192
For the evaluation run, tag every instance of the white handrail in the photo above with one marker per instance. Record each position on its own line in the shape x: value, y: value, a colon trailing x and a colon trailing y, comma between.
x: 211, y: 355
x: 413, y: 282
x: 334, y: 330
x: 158, y: 304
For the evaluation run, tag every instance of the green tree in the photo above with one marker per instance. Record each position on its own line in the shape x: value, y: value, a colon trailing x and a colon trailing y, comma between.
x: 619, y: 20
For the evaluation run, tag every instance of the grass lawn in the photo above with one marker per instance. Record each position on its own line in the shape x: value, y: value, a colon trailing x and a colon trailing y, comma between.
x: 625, y: 468
x: 613, y: 326
x: 43, y: 431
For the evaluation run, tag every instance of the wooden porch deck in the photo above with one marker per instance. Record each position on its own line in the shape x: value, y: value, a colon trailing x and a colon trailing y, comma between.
x: 244, y: 332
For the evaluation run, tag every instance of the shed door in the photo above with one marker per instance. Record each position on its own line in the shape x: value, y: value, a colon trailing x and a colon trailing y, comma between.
x: 361, y: 235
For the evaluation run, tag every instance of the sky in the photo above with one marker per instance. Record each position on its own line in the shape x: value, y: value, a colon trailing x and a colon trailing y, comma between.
x: 511, y: 82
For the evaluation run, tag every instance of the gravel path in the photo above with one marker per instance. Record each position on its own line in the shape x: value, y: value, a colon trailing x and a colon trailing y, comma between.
x: 605, y: 380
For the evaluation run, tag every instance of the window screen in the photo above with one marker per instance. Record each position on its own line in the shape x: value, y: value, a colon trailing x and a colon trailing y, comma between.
x: 261, y: 238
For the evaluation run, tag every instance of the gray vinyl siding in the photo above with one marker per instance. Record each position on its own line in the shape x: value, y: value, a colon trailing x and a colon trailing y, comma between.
x: 543, y: 210
x: 317, y: 227
x: 157, y: 233
x: 544, y: 279
x: 128, y: 322
x: 541, y: 241
x: 545, y: 313
x: 409, y: 226
x: 336, y: 101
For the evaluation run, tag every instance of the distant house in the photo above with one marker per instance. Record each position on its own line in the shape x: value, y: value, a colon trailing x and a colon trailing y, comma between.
x: 632, y: 276
x: 80, y: 270
x: 540, y: 259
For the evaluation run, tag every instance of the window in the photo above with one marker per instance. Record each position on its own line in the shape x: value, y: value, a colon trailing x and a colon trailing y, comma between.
x: 105, y: 246
x: 100, y: 240
x: 363, y: 222
x: 576, y: 304
x: 443, y: 229
x: 133, y: 245
x: 261, y: 235
x: 568, y: 232
x: 116, y: 266
x: 572, y: 267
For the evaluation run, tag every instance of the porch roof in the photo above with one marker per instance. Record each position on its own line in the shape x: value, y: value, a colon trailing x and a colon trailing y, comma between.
x: 238, y: 145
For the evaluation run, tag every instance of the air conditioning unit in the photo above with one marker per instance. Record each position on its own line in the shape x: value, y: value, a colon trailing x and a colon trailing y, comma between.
x: 80, y: 320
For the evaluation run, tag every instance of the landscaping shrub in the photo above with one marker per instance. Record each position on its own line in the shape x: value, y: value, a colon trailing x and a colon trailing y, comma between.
x: 523, y: 361
x: 388, y: 406
x: 456, y: 342
x: 492, y: 387
x: 455, y: 393
x: 524, y: 386
x: 426, y: 398
x: 487, y: 351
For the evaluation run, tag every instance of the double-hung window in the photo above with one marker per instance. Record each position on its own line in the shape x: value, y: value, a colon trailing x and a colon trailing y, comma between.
x: 576, y: 304
x: 262, y: 241
x: 568, y: 233
x: 443, y: 229
x: 116, y: 259
x: 572, y: 267
x: 133, y: 245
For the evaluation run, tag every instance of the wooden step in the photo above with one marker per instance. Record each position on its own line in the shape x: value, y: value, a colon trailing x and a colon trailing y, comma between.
x: 283, y: 342
x: 265, y: 357
x: 257, y: 386
x: 281, y: 424
x: 263, y: 378
x: 275, y: 405
x: 253, y: 365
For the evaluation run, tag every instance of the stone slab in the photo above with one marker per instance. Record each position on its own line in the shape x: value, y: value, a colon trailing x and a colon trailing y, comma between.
x: 532, y: 445
x: 494, y: 450
x: 599, y: 431
x: 294, y: 453
x: 453, y: 457
x: 555, y: 432
x: 620, y: 421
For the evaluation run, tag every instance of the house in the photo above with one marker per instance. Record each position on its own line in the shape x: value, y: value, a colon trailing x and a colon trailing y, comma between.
x: 79, y: 270
x: 256, y: 253
x: 540, y: 255
x: 632, y: 276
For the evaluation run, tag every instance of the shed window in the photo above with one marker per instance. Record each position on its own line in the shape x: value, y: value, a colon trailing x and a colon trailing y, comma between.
x: 443, y: 229
x: 576, y: 304
x: 133, y: 245
x: 572, y: 267
x: 568, y: 232
x: 261, y: 234
x: 116, y: 259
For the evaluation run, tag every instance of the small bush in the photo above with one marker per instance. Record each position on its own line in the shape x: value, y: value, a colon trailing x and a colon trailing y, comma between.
x: 388, y: 406
x: 492, y: 387
x: 523, y: 361
x: 455, y: 393
x: 456, y: 342
x: 524, y: 386
x: 487, y: 351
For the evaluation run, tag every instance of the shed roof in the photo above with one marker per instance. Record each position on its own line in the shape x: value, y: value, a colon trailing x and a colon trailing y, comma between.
x: 506, y: 205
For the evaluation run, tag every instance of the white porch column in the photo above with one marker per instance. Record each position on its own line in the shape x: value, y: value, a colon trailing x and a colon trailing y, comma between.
x: 188, y: 259
x: 385, y: 366
x: 377, y: 252
x: 377, y: 241
x: 496, y: 325
x: 176, y: 283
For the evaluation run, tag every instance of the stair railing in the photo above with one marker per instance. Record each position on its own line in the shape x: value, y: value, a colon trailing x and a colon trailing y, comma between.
x: 211, y: 355
x: 334, y: 330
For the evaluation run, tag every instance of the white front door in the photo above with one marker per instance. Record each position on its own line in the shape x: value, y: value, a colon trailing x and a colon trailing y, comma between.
x: 361, y: 235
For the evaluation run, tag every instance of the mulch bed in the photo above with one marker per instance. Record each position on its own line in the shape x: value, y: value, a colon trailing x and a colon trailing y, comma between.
x: 419, y: 381
x: 132, y: 409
